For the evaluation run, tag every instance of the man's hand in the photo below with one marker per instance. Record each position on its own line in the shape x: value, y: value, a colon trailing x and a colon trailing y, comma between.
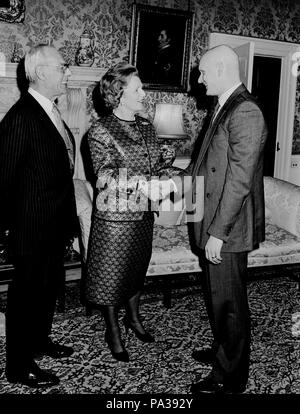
x: 156, y: 189
x: 150, y: 189
x: 213, y: 250
x: 167, y: 187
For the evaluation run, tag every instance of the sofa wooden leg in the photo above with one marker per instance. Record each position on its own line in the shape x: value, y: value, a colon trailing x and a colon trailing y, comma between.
x: 295, y: 275
x: 167, y: 293
x: 167, y: 299
x: 61, y: 302
x: 88, y: 310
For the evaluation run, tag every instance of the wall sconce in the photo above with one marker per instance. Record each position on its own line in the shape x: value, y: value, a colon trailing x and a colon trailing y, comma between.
x: 168, y: 121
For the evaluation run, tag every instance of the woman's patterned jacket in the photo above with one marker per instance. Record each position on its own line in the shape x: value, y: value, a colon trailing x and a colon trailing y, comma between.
x: 122, y: 154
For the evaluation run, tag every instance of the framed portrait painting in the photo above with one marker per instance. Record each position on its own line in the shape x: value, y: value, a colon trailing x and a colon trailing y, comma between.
x: 12, y: 11
x: 160, y: 47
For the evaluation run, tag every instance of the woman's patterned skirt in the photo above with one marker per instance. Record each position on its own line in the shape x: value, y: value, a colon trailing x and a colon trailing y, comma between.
x: 118, y: 259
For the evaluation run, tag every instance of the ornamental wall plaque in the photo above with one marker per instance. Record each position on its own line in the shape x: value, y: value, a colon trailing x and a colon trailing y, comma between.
x: 12, y: 11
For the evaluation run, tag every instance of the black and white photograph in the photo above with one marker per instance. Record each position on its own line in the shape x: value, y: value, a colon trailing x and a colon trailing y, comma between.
x: 150, y: 203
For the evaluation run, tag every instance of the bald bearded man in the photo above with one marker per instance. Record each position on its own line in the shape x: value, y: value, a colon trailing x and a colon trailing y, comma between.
x: 231, y: 161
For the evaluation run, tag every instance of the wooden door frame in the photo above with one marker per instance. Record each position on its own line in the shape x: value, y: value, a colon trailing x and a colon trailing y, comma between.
x: 287, y: 91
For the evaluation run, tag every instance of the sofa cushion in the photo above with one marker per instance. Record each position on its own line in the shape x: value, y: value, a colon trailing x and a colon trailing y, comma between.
x: 84, y: 197
x: 171, y: 250
x: 282, y: 201
x: 280, y: 247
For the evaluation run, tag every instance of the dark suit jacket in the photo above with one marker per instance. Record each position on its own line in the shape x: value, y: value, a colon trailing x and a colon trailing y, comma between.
x: 231, y: 161
x: 36, y: 185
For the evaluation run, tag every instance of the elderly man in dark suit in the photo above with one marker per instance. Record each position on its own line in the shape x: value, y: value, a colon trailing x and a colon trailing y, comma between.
x: 38, y: 208
x: 231, y: 162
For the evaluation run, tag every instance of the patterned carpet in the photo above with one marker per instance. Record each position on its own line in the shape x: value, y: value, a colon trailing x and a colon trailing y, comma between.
x: 166, y: 366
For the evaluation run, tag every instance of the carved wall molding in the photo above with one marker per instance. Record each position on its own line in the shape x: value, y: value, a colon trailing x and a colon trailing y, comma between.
x: 80, y: 75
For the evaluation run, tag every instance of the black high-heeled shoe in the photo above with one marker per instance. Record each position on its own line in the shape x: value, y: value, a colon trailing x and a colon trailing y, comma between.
x: 119, y: 356
x: 144, y: 337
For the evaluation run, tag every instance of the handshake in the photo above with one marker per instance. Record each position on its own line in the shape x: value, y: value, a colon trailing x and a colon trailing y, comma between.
x: 156, y: 189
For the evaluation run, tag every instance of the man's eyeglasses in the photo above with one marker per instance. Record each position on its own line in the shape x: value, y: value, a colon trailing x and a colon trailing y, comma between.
x: 63, y: 66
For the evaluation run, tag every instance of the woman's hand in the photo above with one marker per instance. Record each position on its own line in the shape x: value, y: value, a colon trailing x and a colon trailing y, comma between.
x: 105, y: 180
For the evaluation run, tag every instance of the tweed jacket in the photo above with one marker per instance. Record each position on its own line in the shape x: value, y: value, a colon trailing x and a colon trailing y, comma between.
x: 231, y: 161
x: 36, y: 185
x: 122, y: 152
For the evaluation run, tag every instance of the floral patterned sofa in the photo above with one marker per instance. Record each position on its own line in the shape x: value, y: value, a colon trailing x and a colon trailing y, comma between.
x: 171, y: 256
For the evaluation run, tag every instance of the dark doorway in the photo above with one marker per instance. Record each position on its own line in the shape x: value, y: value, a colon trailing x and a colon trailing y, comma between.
x: 266, y: 86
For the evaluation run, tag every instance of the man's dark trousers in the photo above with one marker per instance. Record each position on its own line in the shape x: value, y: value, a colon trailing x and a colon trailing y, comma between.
x: 225, y: 295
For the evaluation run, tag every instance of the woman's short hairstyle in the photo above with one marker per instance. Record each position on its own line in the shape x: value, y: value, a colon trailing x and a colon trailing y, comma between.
x: 113, y: 83
x: 33, y: 58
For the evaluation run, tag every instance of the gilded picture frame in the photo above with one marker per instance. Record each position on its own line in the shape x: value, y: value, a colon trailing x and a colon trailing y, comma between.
x: 160, y: 46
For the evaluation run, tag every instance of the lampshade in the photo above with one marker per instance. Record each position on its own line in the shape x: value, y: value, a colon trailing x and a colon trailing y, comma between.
x: 168, y: 121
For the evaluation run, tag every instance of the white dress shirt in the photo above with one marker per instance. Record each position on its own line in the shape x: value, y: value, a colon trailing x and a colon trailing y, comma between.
x: 45, y: 103
x: 223, y: 98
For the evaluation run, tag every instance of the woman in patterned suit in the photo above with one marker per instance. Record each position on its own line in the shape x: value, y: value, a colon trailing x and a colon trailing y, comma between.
x: 126, y: 157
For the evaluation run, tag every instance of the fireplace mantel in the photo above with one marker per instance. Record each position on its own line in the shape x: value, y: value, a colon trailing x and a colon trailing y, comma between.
x: 80, y: 75
x: 73, y: 105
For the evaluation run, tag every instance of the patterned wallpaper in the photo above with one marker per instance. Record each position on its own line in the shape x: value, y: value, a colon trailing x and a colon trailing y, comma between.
x: 61, y: 22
